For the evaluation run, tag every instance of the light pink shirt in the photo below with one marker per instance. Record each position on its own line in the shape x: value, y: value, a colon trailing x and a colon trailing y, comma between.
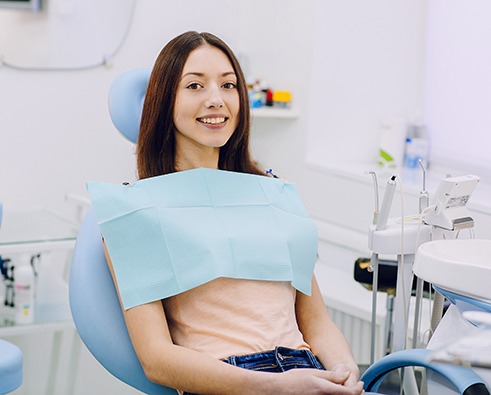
x: 235, y: 317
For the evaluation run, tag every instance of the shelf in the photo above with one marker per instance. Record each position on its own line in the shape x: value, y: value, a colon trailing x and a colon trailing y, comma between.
x: 46, y: 315
x: 277, y: 113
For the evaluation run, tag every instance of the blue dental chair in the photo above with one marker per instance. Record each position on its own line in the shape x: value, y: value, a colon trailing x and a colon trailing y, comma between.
x: 94, y: 302
x: 10, y: 367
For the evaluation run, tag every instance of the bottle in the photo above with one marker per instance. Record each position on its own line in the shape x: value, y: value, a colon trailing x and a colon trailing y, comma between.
x: 391, y: 143
x: 417, y: 147
x: 24, y: 293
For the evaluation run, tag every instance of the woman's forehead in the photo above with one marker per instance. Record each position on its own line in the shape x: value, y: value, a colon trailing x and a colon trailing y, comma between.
x: 206, y: 59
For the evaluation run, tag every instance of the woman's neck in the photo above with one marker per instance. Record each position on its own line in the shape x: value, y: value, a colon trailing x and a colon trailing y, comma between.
x: 192, y: 160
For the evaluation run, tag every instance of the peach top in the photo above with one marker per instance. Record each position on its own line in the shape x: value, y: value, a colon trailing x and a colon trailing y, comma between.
x: 227, y: 317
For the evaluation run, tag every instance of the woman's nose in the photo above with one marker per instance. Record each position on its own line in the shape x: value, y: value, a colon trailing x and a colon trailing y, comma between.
x: 214, y: 99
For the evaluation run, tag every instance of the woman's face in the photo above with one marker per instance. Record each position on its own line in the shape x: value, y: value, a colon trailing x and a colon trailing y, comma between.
x: 207, y: 103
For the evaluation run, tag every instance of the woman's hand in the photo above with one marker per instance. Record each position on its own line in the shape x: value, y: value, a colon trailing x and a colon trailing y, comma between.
x: 352, y: 377
x: 316, y: 382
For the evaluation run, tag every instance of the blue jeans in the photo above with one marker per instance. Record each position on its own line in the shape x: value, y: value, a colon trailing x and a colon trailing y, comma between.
x: 278, y: 360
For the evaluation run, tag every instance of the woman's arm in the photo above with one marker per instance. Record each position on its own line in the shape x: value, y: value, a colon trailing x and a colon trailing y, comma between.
x: 321, y: 333
x: 175, y: 366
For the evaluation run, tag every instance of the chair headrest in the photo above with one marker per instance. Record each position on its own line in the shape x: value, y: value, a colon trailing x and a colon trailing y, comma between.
x: 125, y: 100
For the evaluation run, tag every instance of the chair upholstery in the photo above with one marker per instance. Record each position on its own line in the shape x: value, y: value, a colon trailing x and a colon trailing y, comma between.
x: 10, y: 367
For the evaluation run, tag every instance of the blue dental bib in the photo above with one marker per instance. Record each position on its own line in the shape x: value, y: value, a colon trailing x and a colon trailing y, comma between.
x: 171, y: 233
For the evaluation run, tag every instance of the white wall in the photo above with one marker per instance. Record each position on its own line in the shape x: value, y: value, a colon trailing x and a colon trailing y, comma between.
x: 367, y: 66
x: 458, y: 86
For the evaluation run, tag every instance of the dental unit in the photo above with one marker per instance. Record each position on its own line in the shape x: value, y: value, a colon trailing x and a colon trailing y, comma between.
x: 405, y: 237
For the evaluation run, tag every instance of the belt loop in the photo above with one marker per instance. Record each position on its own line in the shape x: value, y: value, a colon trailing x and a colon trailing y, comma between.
x: 279, y: 358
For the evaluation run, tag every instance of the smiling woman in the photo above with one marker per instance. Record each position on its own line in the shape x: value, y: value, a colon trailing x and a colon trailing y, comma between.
x: 224, y: 283
x: 185, y: 78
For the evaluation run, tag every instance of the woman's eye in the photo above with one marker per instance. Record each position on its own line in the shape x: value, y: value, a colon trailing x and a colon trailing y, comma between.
x: 229, y: 85
x: 194, y: 86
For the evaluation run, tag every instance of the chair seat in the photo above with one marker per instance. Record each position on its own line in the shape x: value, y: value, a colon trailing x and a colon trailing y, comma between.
x: 10, y: 367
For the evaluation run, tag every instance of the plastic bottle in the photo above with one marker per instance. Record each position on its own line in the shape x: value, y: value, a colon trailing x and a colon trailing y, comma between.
x: 410, y: 156
x: 417, y: 147
x: 24, y: 293
x: 392, y: 132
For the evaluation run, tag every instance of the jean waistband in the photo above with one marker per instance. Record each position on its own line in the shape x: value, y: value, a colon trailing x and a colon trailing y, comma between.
x: 282, y: 357
x: 278, y: 360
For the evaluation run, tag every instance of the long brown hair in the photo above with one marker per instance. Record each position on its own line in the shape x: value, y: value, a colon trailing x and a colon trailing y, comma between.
x: 156, y: 148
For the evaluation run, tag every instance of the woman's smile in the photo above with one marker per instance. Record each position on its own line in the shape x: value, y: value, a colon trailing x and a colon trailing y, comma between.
x: 216, y: 120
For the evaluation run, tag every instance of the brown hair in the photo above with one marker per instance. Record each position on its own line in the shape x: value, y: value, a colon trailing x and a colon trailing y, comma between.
x: 156, y: 148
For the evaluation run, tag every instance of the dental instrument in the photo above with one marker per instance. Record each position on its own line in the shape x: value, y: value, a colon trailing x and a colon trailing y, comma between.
x: 375, y: 187
x: 374, y: 268
x: 386, y: 204
x: 424, y: 201
x: 424, y: 197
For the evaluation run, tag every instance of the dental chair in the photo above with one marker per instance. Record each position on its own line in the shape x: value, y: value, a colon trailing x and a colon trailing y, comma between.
x: 94, y: 302
x: 10, y: 367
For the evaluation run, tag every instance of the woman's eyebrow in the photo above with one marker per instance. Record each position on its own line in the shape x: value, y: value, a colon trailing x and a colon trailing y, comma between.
x: 199, y: 74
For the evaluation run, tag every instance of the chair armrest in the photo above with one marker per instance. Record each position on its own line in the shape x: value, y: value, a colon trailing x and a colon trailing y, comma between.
x: 461, y: 377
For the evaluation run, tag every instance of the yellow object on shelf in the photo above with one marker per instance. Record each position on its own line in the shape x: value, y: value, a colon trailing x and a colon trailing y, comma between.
x: 282, y: 98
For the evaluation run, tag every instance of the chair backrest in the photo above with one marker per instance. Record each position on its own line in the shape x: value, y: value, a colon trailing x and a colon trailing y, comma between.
x: 93, y: 298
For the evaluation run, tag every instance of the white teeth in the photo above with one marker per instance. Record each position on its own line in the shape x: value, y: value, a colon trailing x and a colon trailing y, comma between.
x: 212, y: 120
